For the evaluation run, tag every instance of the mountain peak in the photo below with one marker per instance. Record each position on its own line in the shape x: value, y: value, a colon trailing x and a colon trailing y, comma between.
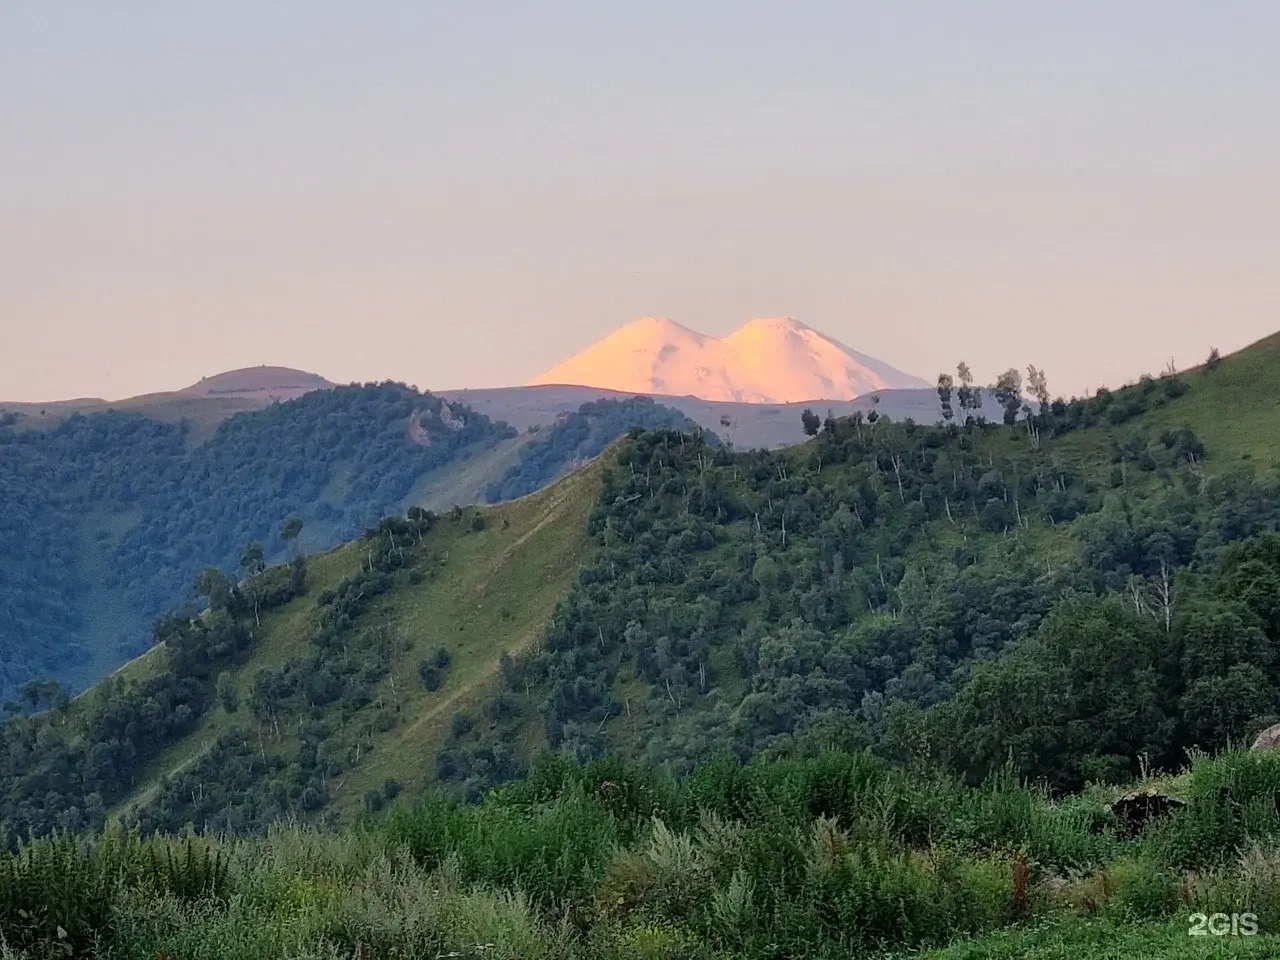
x: 773, y: 323
x: 767, y: 360
x: 766, y: 328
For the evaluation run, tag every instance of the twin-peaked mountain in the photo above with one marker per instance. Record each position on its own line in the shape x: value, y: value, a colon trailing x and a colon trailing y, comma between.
x: 765, y: 361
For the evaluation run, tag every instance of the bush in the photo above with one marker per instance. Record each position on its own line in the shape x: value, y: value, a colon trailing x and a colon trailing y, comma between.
x: 461, y: 724
x: 57, y: 897
x: 1232, y: 801
x: 1142, y: 891
x: 432, y: 669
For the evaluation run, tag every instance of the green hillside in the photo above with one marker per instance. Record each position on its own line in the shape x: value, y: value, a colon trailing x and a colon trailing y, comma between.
x: 330, y: 646
x: 579, y: 436
x: 866, y: 590
x: 940, y: 653
x: 893, y: 586
x: 480, y: 585
x: 106, y: 519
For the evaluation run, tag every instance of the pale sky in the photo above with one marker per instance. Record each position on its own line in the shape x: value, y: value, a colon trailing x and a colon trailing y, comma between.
x: 461, y: 194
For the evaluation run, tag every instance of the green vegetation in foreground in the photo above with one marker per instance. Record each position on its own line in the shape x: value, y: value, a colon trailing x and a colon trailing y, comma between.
x: 837, y: 856
x: 1106, y: 939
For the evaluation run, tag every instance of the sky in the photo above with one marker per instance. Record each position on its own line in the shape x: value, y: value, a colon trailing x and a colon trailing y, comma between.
x: 461, y: 194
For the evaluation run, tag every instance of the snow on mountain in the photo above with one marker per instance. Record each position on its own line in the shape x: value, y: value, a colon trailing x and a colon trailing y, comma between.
x: 765, y: 361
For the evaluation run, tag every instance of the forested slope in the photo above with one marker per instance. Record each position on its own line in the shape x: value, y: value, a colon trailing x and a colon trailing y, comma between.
x: 106, y: 519
x: 1076, y: 593
x: 307, y: 685
x: 1069, y: 593
x: 579, y: 436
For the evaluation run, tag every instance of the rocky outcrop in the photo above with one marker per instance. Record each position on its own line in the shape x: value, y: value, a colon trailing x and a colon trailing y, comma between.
x: 1268, y: 739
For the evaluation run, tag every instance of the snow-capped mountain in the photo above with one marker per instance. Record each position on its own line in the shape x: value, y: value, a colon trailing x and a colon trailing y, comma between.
x: 765, y: 361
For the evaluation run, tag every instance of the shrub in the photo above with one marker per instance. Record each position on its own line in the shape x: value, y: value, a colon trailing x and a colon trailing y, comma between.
x: 461, y: 724
x: 57, y: 897
x: 1233, y: 799
x: 431, y: 677
x: 655, y: 941
x: 1141, y: 891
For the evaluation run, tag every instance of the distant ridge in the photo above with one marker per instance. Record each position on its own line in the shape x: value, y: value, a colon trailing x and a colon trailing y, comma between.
x: 780, y: 360
x: 276, y: 382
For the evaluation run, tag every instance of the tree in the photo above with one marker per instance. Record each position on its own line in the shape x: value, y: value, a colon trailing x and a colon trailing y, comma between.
x: 946, y: 383
x: 811, y: 421
x: 1008, y: 394
x: 768, y: 575
x: 215, y: 586
x: 43, y: 694
x: 251, y: 558
x: 1039, y: 385
x: 226, y: 692
x: 726, y: 427
x: 969, y: 396
x: 252, y: 563
x: 292, y: 527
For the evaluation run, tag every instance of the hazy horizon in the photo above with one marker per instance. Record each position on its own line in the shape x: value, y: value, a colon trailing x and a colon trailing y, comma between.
x: 465, y: 197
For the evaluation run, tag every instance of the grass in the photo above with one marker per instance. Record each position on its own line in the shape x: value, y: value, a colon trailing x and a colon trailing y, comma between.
x: 1101, y: 939
x: 465, y: 481
x: 490, y: 592
x: 611, y: 861
x: 493, y: 594
x: 1233, y: 409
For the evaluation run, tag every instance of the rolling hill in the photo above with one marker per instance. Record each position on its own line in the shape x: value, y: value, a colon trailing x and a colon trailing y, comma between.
x: 108, y: 516
x: 202, y: 405
x: 745, y: 425
x: 765, y: 361
x: 673, y: 600
x: 265, y: 382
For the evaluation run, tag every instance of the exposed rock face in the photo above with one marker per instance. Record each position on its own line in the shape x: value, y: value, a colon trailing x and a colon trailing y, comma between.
x: 1268, y: 739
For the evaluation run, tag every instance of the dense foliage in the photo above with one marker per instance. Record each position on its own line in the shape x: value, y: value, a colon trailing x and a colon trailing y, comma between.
x: 864, y: 694
x: 63, y: 768
x: 115, y: 511
x: 840, y: 855
x: 943, y: 594
x: 579, y: 436
x: 307, y: 721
